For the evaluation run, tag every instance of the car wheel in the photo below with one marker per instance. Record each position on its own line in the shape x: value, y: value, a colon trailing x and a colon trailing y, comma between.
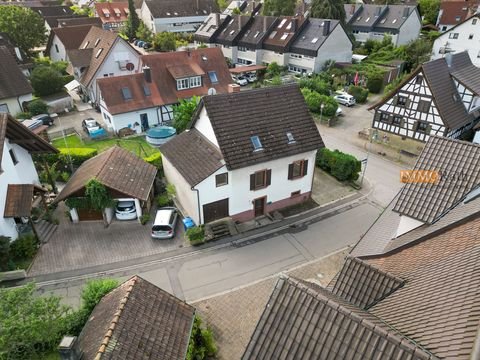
x: 50, y: 123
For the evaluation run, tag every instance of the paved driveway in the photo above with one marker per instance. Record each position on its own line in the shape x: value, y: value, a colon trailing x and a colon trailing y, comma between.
x: 74, y: 120
x: 89, y: 243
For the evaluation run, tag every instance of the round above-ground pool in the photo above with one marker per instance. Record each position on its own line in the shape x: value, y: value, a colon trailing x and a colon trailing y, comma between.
x: 160, y: 135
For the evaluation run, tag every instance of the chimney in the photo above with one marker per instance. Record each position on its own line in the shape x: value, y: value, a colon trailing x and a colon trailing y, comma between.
x: 233, y: 88
x: 448, y: 59
x: 294, y: 25
x: 326, y: 27
x: 198, y: 5
x: 217, y: 19
x: 147, y: 74
x: 239, y: 18
x: 68, y: 350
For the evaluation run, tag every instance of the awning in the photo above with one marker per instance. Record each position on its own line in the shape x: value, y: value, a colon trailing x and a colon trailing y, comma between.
x: 72, y: 85
x: 19, y: 200
x: 248, y: 68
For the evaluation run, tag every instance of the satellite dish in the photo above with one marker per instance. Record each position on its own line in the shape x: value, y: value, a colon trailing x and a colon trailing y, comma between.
x: 212, y: 91
x: 130, y: 66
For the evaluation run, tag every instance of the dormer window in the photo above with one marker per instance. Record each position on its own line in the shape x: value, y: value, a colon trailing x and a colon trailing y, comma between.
x: 126, y: 93
x: 195, y: 81
x: 257, y: 144
x: 182, y: 84
x: 290, y: 138
x: 187, y: 83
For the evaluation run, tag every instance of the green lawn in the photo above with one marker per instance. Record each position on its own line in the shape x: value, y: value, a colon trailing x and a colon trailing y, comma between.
x: 137, y: 145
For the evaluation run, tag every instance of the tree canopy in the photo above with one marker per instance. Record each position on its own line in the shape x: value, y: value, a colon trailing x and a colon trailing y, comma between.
x: 279, y: 7
x: 429, y: 10
x: 24, y: 26
x: 328, y: 9
x: 183, y: 112
x: 46, y: 80
x: 133, y: 22
x: 164, y: 41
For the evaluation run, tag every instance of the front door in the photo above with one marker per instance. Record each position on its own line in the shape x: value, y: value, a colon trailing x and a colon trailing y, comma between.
x: 144, y: 122
x: 259, y: 206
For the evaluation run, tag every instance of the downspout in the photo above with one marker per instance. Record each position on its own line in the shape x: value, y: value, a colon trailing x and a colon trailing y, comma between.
x: 19, y: 103
x: 198, y: 205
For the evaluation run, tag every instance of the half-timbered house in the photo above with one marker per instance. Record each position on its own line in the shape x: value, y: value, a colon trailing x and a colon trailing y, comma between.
x: 440, y: 97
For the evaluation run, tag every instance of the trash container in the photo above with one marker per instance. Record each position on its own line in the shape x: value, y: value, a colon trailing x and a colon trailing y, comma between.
x: 188, y: 223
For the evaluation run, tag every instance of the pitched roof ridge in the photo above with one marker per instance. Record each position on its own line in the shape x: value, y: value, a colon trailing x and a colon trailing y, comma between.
x: 252, y: 91
x: 376, y: 269
x: 108, y: 335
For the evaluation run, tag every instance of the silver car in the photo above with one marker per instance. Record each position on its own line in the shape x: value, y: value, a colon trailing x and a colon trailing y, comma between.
x: 165, y: 223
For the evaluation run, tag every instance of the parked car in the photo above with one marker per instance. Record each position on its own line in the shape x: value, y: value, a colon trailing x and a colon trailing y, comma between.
x: 339, y: 112
x: 45, y: 118
x: 126, y: 210
x: 345, y: 99
x: 32, y: 124
x: 251, y: 77
x: 240, y: 80
x: 90, y: 125
x: 165, y: 223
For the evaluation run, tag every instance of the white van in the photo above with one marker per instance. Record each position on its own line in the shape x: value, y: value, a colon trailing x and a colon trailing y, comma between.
x: 165, y: 223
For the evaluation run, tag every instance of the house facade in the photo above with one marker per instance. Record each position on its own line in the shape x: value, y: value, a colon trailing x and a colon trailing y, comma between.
x: 373, y: 22
x: 18, y: 176
x: 145, y: 99
x: 462, y: 37
x: 244, y: 164
x: 113, y: 15
x: 300, y: 43
x: 176, y: 16
x: 439, y: 98
x: 63, y: 39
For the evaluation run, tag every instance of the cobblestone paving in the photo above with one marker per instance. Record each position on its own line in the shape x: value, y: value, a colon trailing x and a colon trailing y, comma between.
x: 234, y: 315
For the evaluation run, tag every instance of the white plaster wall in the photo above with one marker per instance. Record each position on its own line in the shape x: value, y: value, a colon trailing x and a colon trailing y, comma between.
x: 204, y: 125
x: 184, y: 193
x: 13, y: 103
x: 23, y: 172
x: 476, y: 139
x: 462, y: 43
x: 120, y: 121
x: 336, y: 47
x: 307, y: 63
x: 410, y: 29
x: 61, y: 55
x: 227, y: 52
x: 248, y: 55
x: 189, y: 23
x: 271, y: 56
x: 146, y: 16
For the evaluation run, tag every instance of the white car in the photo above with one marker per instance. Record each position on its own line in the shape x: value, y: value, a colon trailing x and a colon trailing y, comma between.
x: 241, y: 80
x: 345, y: 99
x: 125, y: 210
x: 165, y: 223
x: 251, y: 77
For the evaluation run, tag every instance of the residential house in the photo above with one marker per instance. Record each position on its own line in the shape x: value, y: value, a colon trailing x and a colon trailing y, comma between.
x: 245, y: 154
x: 51, y: 14
x: 15, y: 89
x: 452, y: 13
x: 113, y: 15
x: 63, y: 39
x: 411, y: 296
x: 23, y: 61
x: 101, y: 54
x: 19, y: 183
x: 145, y: 99
x: 244, y: 6
x: 300, y: 43
x: 462, y: 37
x: 373, y: 22
x: 137, y: 320
x: 126, y: 177
x: 441, y: 97
x: 176, y: 15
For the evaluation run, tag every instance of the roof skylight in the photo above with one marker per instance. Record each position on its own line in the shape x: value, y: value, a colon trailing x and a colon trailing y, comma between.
x: 126, y: 93
x: 284, y: 36
x: 394, y: 21
x: 257, y: 144
x: 256, y: 34
x: 98, y: 53
x: 146, y: 90
x: 291, y: 139
x: 282, y: 23
x: 314, y: 40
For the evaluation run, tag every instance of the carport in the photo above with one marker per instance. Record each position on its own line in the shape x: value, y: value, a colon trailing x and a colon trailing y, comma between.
x: 246, y: 69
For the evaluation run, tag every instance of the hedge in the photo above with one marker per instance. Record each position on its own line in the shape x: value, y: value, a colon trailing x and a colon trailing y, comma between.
x: 342, y: 166
x: 359, y: 93
x: 77, y: 155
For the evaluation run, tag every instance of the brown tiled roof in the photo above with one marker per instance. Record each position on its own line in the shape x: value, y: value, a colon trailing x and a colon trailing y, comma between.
x: 458, y: 163
x: 107, y: 41
x: 80, y: 57
x: 284, y: 33
x: 72, y: 36
x: 439, y: 306
x: 110, y: 7
x: 181, y: 8
x: 465, y: 72
x: 269, y: 113
x: 19, y: 200
x: 15, y: 131
x: 59, y: 10
x: 453, y: 10
x: 364, y: 285
x: 164, y: 86
x: 137, y: 320
x: 185, y: 70
x: 305, y: 321
x: 79, y: 20
x: 193, y: 156
x: 12, y: 80
x: 116, y: 168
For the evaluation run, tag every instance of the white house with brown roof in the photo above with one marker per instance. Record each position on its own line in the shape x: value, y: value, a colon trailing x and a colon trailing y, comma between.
x: 441, y: 97
x: 246, y: 154
x: 113, y: 15
x: 63, y: 39
x: 18, y: 176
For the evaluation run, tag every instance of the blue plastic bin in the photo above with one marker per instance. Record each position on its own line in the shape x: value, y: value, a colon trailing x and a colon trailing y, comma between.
x: 188, y: 223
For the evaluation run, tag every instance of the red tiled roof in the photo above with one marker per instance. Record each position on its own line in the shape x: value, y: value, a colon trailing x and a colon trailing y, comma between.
x: 117, y: 11
x: 454, y: 12
x: 164, y: 86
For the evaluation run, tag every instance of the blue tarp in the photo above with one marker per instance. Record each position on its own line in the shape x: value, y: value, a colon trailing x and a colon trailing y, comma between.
x: 98, y: 133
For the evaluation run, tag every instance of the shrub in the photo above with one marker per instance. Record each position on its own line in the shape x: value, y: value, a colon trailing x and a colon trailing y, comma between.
x: 315, y: 100
x: 145, y: 218
x: 196, y: 235
x: 154, y: 159
x: 273, y: 69
x: 77, y: 155
x: 4, y: 253
x: 164, y: 200
x: 315, y: 84
x: 46, y: 80
x: 342, y: 166
x: 25, y: 247
x: 359, y: 93
x: 202, y: 344
x: 64, y: 176
x: 94, y: 291
x: 37, y: 107
x: 23, y: 115
x: 375, y: 83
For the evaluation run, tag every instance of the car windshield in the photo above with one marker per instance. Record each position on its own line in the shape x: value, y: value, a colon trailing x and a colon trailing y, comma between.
x: 161, y: 228
x: 125, y: 206
x: 90, y: 123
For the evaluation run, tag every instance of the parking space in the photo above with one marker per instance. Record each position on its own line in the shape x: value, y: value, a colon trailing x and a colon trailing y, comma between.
x: 74, y: 120
x: 90, y: 243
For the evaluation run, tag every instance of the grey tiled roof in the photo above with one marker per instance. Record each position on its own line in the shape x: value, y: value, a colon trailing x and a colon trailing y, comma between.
x: 364, y: 285
x: 233, y: 29
x: 458, y: 162
x: 314, y: 29
x: 12, y: 80
x: 465, y: 72
x: 192, y: 155
x: 258, y: 29
x: 137, y: 320
x: 305, y: 321
x: 179, y: 8
x: 376, y: 17
x: 269, y: 113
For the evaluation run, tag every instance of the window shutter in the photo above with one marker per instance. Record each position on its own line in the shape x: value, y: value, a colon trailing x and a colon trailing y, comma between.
x: 415, y: 126
x: 395, y: 100
x: 305, y: 167
x: 269, y: 177
x: 428, y: 129
x: 252, y: 182
x: 290, y: 171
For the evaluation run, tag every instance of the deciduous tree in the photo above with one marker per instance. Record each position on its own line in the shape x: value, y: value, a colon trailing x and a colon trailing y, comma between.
x: 164, y: 41
x: 182, y: 113
x: 279, y: 7
x: 328, y: 9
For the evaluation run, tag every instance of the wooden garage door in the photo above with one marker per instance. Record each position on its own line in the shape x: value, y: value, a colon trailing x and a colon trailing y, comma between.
x: 215, y: 210
x: 89, y: 214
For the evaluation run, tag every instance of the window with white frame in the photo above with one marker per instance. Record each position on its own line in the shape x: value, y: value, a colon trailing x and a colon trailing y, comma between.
x: 453, y: 36
x: 183, y: 84
x: 195, y: 81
